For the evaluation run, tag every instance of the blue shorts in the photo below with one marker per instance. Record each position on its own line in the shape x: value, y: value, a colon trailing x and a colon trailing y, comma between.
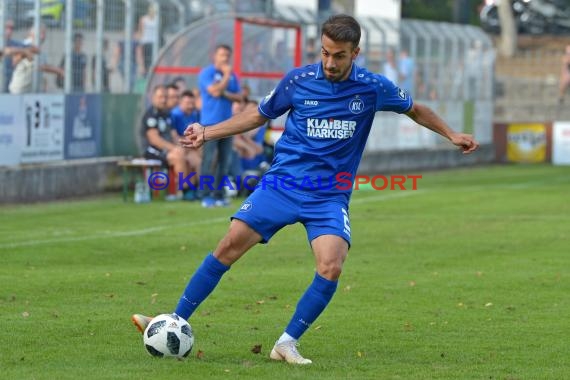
x: 267, y: 210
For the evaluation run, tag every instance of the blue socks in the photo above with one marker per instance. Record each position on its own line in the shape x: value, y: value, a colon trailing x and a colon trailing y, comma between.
x: 200, y: 285
x: 207, y: 276
x: 311, y: 305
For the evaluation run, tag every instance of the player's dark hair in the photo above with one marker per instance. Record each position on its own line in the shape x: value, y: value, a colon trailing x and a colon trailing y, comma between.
x: 223, y: 46
x: 342, y: 28
x: 187, y: 93
x: 172, y: 86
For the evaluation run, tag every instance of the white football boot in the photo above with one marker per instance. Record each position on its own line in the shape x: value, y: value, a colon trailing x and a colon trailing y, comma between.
x: 288, y: 351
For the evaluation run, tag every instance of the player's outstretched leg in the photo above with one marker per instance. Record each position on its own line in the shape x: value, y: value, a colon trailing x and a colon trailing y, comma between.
x: 239, y: 239
x: 310, y: 306
x: 202, y: 283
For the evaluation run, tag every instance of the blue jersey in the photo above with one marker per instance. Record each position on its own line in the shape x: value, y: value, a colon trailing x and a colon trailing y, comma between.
x: 215, y: 109
x: 327, y: 127
x: 180, y: 120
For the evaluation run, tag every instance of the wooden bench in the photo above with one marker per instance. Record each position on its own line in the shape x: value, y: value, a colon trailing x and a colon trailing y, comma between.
x: 143, y: 168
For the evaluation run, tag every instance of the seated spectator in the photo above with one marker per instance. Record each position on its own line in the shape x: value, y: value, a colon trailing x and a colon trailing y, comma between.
x: 184, y: 114
x: 248, y: 145
x: 172, y: 96
x: 160, y: 139
x: 180, y: 82
x: 250, y: 156
x: 197, y: 98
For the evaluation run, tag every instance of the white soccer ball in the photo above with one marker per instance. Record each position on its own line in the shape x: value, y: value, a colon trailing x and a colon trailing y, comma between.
x: 168, y: 335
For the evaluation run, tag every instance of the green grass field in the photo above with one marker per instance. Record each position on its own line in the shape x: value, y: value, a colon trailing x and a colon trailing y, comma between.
x: 465, y: 278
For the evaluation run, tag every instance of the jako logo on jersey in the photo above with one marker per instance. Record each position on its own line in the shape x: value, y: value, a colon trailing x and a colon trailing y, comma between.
x: 402, y: 94
x: 311, y: 103
x: 246, y: 206
x: 330, y: 128
x: 356, y: 105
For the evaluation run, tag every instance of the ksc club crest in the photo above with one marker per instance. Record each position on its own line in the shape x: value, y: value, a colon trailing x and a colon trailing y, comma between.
x: 356, y: 105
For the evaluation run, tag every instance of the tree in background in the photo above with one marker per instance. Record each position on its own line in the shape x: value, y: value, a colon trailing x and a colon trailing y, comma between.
x: 508, y: 45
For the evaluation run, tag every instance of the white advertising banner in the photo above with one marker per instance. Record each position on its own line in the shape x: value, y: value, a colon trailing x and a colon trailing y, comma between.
x: 12, y: 131
x: 43, y: 122
x: 561, y: 143
x: 410, y: 135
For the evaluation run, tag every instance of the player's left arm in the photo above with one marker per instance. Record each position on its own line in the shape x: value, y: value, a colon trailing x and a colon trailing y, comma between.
x: 424, y: 116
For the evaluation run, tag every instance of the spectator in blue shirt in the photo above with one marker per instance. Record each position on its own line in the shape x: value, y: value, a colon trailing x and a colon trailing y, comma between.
x: 219, y: 87
x: 185, y: 113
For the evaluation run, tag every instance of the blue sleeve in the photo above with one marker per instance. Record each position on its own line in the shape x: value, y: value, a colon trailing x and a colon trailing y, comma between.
x: 205, y: 78
x: 279, y: 100
x: 391, y: 97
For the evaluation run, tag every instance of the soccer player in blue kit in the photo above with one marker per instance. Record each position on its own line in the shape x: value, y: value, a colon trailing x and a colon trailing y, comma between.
x: 331, y: 107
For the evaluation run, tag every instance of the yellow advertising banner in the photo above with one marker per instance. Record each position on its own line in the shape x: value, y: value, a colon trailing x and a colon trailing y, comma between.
x: 526, y: 143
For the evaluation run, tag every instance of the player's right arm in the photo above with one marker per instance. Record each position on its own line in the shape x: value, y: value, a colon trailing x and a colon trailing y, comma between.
x: 275, y: 104
x: 196, y: 135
